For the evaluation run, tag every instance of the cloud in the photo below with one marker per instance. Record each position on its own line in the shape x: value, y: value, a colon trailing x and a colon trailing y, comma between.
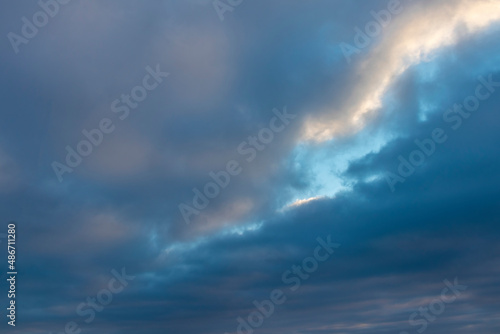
x: 410, y: 39
x: 323, y: 175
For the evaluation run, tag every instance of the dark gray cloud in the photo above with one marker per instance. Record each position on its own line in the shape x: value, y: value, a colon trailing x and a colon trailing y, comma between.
x: 119, y: 208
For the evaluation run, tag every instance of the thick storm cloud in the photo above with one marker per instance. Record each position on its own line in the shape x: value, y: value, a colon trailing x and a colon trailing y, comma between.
x: 285, y: 166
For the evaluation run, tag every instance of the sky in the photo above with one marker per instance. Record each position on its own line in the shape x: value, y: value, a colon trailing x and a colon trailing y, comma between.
x: 240, y: 167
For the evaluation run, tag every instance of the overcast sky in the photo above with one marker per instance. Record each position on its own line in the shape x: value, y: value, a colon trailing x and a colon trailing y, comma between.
x: 203, y: 148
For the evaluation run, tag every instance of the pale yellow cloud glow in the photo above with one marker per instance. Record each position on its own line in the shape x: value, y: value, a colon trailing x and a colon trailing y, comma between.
x: 300, y: 202
x: 409, y: 39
